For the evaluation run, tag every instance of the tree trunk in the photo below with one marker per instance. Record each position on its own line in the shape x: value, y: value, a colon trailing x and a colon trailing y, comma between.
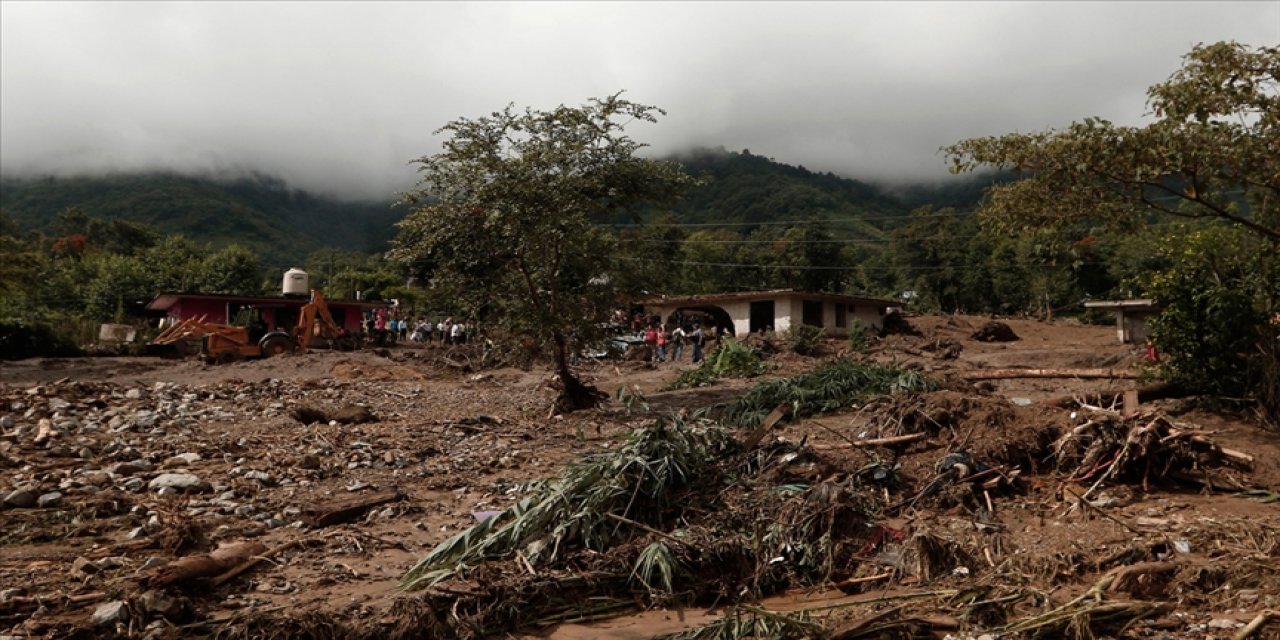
x: 574, y: 395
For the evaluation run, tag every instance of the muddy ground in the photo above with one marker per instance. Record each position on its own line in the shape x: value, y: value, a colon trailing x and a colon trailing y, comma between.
x: 112, y: 468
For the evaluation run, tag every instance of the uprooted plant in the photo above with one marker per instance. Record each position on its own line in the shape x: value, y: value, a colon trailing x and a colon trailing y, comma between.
x: 595, y: 504
x: 839, y: 384
x: 731, y: 359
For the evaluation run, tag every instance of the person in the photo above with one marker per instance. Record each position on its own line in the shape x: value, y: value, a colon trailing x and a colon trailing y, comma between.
x: 677, y: 343
x: 651, y: 340
x: 695, y: 339
x: 445, y: 328
x: 455, y: 333
x: 663, y: 338
x: 1153, y: 355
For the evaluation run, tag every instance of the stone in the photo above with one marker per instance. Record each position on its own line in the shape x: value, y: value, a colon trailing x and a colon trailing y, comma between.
x: 51, y: 499
x: 162, y: 604
x: 7, y: 422
x: 261, y: 476
x: 179, y: 482
x: 133, y: 394
x: 181, y: 460
x: 1222, y: 623
x: 110, y: 613
x: 84, y: 565
x: 153, y: 562
x: 21, y: 499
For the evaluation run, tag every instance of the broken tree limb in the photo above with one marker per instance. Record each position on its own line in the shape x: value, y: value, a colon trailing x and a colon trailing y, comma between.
x: 1256, y: 625
x: 1145, y: 394
x: 1001, y: 374
x: 213, y: 563
x: 348, y: 509
x: 252, y: 562
x: 891, y: 440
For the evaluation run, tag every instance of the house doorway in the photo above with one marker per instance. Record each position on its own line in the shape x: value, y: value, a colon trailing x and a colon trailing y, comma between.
x: 762, y: 316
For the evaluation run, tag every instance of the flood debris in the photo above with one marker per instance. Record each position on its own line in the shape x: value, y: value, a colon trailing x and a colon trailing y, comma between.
x: 994, y: 331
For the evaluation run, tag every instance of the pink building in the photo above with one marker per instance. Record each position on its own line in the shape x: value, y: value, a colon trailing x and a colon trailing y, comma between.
x: 277, y: 312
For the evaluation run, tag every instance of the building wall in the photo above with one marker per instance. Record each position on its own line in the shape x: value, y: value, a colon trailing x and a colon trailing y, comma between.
x: 789, y: 311
x: 215, y: 311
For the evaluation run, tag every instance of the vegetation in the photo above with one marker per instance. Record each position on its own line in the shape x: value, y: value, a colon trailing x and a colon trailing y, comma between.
x: 1208, y: 159
x: 506, y: 217
x: 589, y: 506
x: 730, y: 359
x: 839, y: 384
x: 261, y: 213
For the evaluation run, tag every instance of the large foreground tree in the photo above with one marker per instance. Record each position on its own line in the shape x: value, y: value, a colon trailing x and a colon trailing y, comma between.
x: 1210, y: 157
x: 505, y: 220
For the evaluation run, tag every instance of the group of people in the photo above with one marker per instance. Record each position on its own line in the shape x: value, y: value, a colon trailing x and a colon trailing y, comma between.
x: 445, y: 332
x: 664, y: 341
x: 384, y: 322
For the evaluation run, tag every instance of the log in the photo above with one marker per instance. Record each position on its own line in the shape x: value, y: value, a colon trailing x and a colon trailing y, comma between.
x: 1145, y: 394
x: 347, y: 509
x: 204, y: 565
x: 1002, y: 374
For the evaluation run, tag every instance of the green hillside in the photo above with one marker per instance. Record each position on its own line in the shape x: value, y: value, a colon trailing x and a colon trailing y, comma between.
x: 746, y: 188
x: 258, y: 211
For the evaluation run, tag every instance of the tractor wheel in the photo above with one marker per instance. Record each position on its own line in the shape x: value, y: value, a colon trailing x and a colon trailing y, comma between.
x: 276, y: 345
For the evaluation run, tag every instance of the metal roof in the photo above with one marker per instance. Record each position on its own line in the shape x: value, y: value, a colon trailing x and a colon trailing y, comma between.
x: 712, y: 298
x: 164, y: 301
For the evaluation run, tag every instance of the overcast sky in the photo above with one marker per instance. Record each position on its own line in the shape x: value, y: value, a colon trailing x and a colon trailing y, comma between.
x: 338, y: 97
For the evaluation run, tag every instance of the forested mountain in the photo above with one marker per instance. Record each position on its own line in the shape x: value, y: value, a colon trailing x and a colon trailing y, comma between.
x: 257, y: 211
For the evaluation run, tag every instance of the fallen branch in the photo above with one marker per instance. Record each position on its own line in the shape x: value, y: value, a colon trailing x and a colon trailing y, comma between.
x: 213, y: 563
x: 851, y: 582
x: 1256, y: 625
x: 253, y: 562
x: 1000, y: 374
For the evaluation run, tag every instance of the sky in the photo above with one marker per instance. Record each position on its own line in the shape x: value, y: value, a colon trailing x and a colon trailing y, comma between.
x: 339, y: 98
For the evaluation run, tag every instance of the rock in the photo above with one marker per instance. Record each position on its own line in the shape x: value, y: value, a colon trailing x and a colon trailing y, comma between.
x: 308, y: 462
x: 7, y: 422
x: 162, y: 604
x: 1222, y: 623
x: 995, y: 332
x: 260, y: 476
x: 95, y: 478
x: 21, y: 499
x: 51, y: 499
x: 112, y: 562
x: 179, y: 482
x: 84, y: 565
x: 134, y: 394
x: 181, y: 460
x: 130, y: 468
x: 110, y: 613
x: 152, y: 562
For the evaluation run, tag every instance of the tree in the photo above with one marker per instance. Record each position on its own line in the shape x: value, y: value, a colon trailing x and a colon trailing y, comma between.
x: 1208, y: 156
x: 1210, y: 153
x: 506, y: 215
x: 234, y: 269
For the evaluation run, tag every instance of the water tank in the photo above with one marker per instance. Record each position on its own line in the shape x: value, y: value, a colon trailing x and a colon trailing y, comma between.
x: 296, y: 283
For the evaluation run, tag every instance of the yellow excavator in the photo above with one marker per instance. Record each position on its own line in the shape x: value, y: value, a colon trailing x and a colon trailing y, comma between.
x: 228, y: 342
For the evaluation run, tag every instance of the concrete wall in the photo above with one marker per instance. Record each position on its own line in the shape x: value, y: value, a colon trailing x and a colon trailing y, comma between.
x: 788, y: 311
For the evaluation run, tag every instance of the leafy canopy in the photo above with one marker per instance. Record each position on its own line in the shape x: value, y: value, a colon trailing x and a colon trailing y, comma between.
x: 1211, y: 152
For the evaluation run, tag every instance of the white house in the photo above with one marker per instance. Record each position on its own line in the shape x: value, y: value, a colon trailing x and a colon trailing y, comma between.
x: 777, y: 310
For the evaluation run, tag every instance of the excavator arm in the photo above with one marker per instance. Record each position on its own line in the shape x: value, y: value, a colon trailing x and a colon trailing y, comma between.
x: 315, y: 315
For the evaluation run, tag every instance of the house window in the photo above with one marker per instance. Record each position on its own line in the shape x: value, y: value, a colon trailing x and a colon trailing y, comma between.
x: 762, y: 316
x: 842, y: 316
x: 811, y: 312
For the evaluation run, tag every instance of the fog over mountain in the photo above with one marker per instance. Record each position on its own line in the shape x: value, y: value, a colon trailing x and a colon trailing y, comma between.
x: 339, y: 97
